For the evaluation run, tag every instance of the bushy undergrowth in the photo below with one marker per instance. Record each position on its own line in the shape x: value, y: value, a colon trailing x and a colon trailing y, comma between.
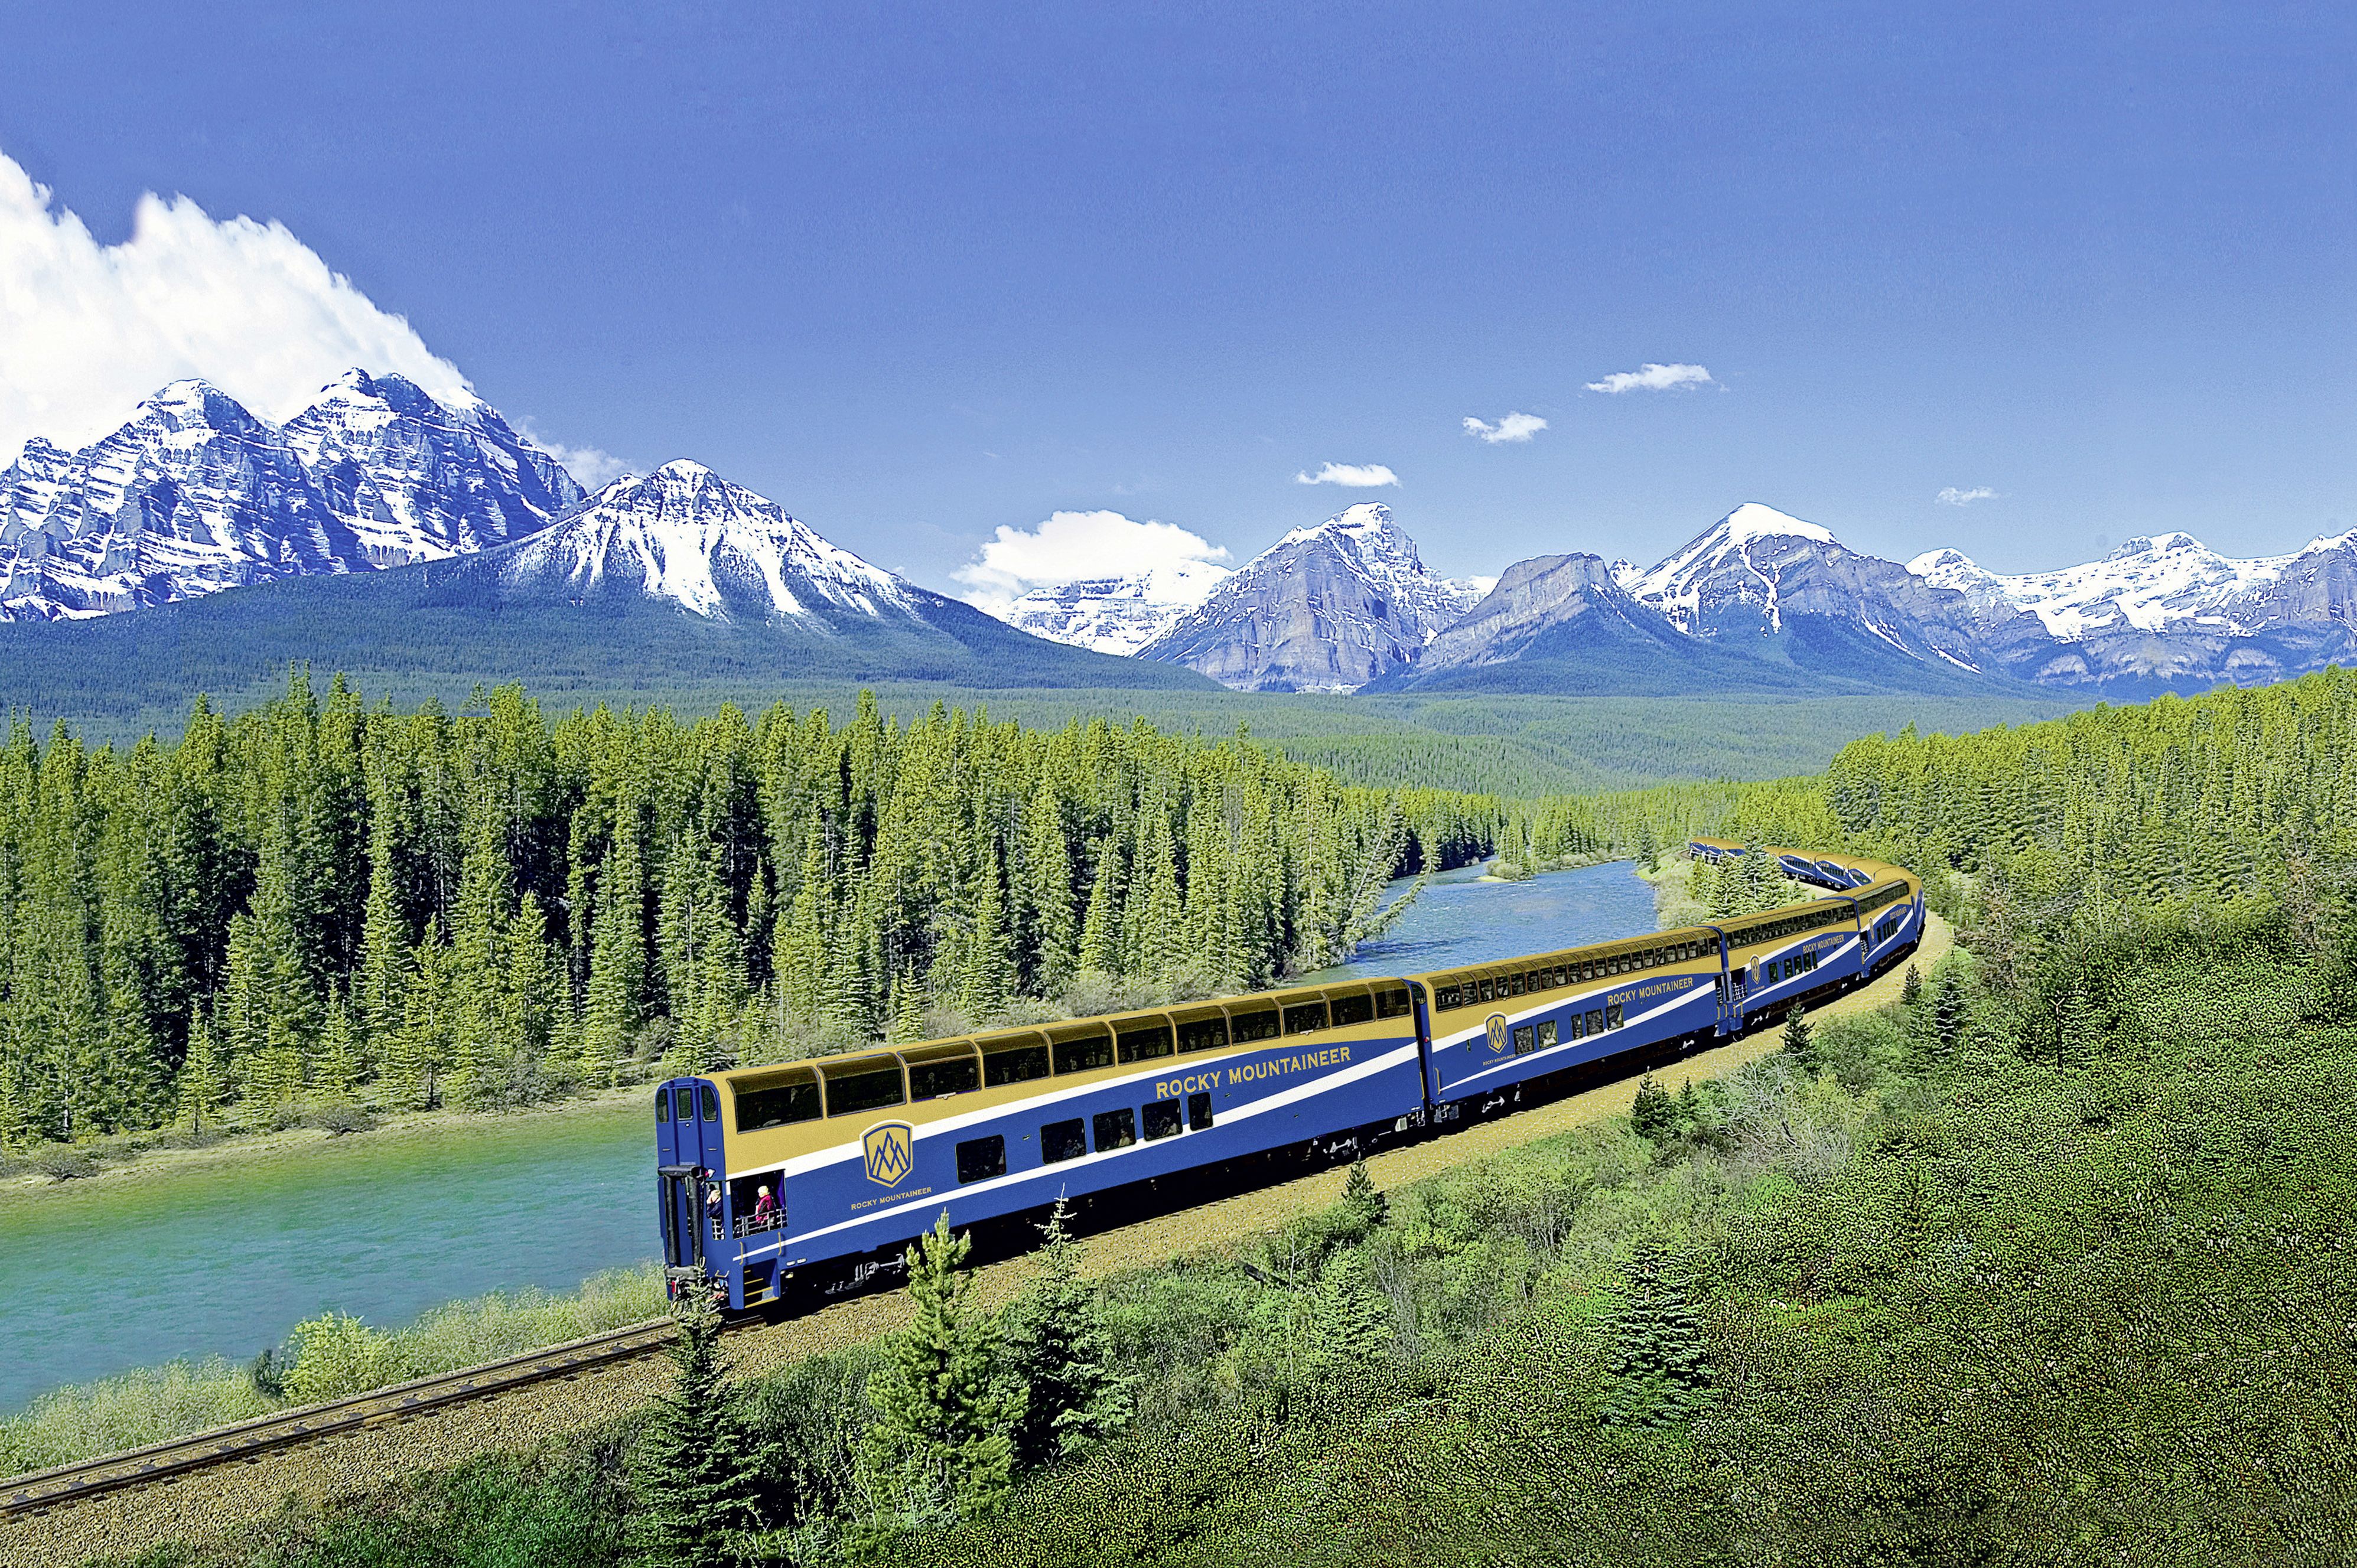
x: 324, y: 1357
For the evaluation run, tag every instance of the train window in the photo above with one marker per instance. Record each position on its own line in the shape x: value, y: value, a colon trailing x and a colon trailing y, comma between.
x: 1249, y: 1027
x: 1015, y: 1064
x: 662, y: 1104
x: 1595, y: 1021
x: 751, y: 1215
x: 1613, y: 1015
x: 1515, y: 983
x: 686, y: 1093
x: 777, y: 1101
x: 1199, y: 1110
x: 1116, y: 1129
x: 979, y: 1159
x: 1203, y: 1035
x: 1351, y: 1009
x: 1305, y: 1017
x: 1523, y: 1035
x: 1546, y: 1033
x: 867, y: 1085
x: 1489, y: 991
x: 1145, y: 1045
x: 1082, y: 1052
x: 952, y: 1075
x: 1161, y: 1120
x: 711, y: 1101
x: 1392, y: 1002
x: 1062, y: 1141
x: 1571, y: 1027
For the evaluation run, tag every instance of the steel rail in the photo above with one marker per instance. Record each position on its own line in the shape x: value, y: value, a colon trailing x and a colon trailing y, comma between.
x: 39, y: 1490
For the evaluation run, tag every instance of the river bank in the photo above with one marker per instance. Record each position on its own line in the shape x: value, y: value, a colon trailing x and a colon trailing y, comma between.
x: 164, y: 1153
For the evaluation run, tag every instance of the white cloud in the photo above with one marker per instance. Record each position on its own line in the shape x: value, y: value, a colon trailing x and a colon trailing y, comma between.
x: 593, y: 466
x: 1513, y: 427
x: 89, y: 330
x: 1652, y: 378
x: 1355, y: 475
x: 1073, y: 545
x: 1955, y: 497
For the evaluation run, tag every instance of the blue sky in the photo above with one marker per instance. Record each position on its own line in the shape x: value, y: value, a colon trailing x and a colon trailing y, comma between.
x: 923, y: 271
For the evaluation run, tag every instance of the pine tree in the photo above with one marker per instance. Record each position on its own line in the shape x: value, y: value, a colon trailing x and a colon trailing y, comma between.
x: 945, y: 1408
x: 1350, y: 1320
x: 617, y: 952
x: 1799, y: 1042
x: 203, y: 1086
x: 1363, y: 1204
x: 1912, y: 992
x: 1949, y: 1012
x: 1101, y: 928
x: 1057, y: 1348
x: 696, y: 1469
x: 1660, y: 1371
x: 1052, y: 935
x: 1655, y: 1114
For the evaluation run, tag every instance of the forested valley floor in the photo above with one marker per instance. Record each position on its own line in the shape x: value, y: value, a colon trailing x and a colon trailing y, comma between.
x: 2050, y: 1263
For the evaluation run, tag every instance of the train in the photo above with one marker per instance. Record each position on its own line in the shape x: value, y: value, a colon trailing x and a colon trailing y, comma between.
x: 816, y: 1174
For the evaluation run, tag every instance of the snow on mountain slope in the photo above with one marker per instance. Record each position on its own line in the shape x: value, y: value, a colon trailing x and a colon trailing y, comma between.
x: 1684, y: 585
x: 415, y: 480
x: 684, y: 534
x: 1324, y: 609
x: 194, y: 494
x: 2147, y: 584
x: 1117, y: 615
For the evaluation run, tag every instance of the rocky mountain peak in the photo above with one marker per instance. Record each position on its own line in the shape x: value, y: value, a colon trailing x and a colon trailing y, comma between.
x: 195, y: 493
x: 1326, y: 609
x: 685, y: 533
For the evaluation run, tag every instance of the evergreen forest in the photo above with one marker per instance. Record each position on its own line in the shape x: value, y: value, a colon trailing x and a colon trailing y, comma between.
x: 320, y: 901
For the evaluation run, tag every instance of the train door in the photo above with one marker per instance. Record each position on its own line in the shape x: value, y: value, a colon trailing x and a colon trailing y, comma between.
x: 1729, y: 1013
x: 687, y: 1150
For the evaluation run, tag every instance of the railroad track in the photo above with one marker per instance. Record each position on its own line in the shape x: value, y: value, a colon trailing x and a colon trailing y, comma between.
x: 27, y: 1495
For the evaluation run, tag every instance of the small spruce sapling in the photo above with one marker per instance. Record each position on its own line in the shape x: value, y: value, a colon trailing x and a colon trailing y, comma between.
x: 1661, y: 1374
x: 1655, y: 1114
x: 1911, y: 993
x: 945, y: 1406
x: 1362, y: 1202
x: 1799, y: 1042
x: 1058, y: 1349
x: 696, y: 1468
x: 1950, y: 1012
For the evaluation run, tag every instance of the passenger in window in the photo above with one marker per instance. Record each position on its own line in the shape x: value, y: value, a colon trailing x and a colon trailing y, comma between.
x: 765, y: 1210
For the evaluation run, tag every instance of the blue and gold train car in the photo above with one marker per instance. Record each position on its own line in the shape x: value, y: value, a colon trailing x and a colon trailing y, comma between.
x: 1494, y: 1027
x: 834, y: 1165
x: 823, y: 1170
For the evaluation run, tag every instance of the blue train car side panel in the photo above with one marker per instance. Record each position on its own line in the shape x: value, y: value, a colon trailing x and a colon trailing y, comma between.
x: 1533, y: 1037
x: 889, y: 1180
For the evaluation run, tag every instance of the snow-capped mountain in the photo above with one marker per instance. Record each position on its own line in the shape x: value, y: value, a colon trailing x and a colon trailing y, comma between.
x: 1327, y: 608
x: 415, y: 479
x: 2168, y: 608
x: 194, y: 494
x: 1117, y: 615
x: 684, y: 534
x: 1759, y: 573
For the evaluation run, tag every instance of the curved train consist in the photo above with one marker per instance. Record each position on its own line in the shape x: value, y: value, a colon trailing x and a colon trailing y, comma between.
x: 819, y: 1172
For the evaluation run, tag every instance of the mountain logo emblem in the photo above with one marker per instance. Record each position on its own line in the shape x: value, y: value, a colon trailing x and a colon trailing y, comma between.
x: 1497, y: 1027
x: 888, y: 1146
